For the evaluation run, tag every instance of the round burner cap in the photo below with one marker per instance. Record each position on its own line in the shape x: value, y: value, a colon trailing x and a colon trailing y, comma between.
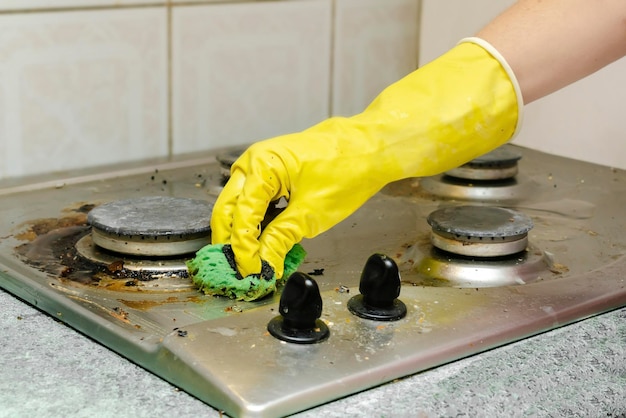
x: 499, y: 164
x: 228, y: 158
x: 152, y: 225
x: 479, y: 230
x: 480, y: 221
x: 503, y: 155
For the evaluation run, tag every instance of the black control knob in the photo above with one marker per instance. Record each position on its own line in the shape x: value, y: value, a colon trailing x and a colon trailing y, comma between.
x: 300, y: 308
x: 380, y: 288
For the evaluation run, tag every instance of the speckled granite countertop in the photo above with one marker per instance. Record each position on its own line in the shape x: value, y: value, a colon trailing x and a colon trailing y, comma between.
x: 49, y: 370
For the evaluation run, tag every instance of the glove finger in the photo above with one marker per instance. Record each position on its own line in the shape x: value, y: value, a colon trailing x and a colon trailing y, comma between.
x: 280, y: 235
x: 224, y: 207
x: 252, y: 204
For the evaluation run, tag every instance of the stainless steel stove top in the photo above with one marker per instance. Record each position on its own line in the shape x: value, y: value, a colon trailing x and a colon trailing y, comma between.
x: 221, y: 351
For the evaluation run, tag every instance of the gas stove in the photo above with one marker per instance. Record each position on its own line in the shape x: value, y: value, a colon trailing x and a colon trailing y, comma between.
x: 508, y: 246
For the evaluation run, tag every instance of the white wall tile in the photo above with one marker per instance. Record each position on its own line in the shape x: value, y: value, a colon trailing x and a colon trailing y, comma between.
x: 248, y: 71
x: 583, y: 121
x: 176, y: 2
x: 55, y: 4
x: 80, y: 89
x: 376, y: 44
x: 444, y: 23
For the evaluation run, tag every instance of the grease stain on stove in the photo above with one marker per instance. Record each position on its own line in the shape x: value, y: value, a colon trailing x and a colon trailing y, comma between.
x: 145, y: 305
x: 36, y: 228
x: 51, y: 247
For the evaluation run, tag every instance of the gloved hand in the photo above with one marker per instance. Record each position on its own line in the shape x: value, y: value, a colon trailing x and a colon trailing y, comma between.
x: 460, y: 106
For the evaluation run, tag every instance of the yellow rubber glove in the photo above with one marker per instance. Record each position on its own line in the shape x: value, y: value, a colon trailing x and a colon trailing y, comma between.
x: 461, y: 105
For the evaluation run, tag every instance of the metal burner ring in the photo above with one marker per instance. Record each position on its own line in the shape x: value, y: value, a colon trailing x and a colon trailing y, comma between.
x: 86, y: 248
x: 471, y: 172
x: 158, y: 246
x: 226, y: 161
x: 479, y: 247
x: 499, y: 164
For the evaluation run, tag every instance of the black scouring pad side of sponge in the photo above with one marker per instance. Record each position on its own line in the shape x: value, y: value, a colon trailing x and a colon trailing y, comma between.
x: 214, y: 271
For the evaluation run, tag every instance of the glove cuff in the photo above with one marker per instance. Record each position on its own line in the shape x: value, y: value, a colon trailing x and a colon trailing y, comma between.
x: 509, y: 71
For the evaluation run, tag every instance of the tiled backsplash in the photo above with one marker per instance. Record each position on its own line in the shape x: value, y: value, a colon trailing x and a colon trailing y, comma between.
x: 244, y: 72
x: 375, y: 45
x: 81, y: 88
x: 20, y: 5
x: 94, y: 82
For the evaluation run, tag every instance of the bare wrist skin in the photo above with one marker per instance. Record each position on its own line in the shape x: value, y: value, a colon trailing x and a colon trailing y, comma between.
x: 552, y: 43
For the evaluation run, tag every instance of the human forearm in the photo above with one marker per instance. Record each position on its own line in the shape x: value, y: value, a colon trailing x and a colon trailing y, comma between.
x: 552, y: 43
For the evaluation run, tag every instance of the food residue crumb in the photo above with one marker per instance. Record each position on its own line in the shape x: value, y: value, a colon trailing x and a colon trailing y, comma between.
x: 558, y: 268
x: 342, y: 289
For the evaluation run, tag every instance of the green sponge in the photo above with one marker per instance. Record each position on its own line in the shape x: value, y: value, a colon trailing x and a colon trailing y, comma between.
x: 213, y: 271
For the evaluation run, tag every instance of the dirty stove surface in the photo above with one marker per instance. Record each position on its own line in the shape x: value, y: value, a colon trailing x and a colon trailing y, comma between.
x: 560, y: 260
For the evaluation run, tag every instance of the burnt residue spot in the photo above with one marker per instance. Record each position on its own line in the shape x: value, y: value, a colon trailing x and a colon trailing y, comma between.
x: 65, y: 272
x: 53, y: 251
x: 180, y: 332
x: 86, y: 208
x: 267, y: 272
x: 120, y: 314
x: 43, y: 226
x: 230, y: 257
x: 73, y: 216
x: 51, y: 248
x: 116, y: 266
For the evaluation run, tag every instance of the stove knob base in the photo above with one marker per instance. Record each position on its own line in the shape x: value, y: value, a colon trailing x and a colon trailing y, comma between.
x: 380, y: 287
x: 394, y: 312
x: 280, y: 330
